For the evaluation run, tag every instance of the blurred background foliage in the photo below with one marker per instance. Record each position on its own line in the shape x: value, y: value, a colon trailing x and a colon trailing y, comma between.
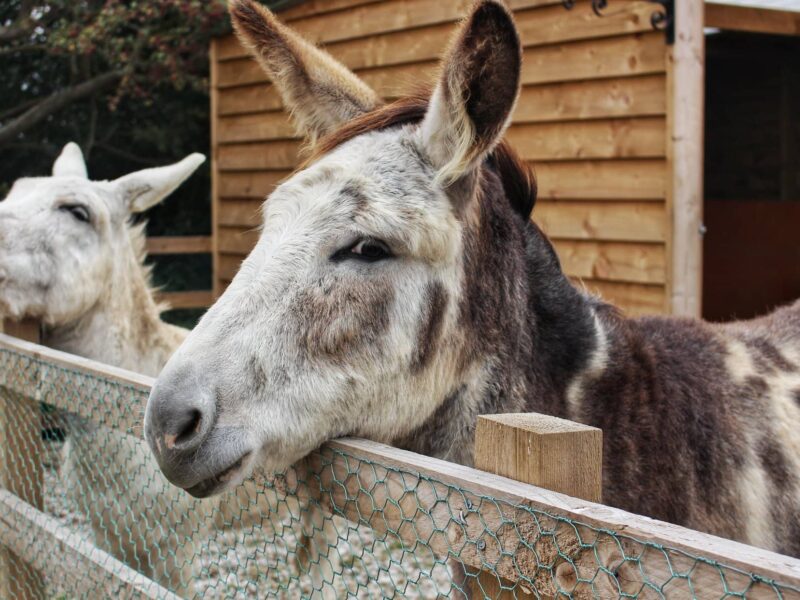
x: 127, y: 81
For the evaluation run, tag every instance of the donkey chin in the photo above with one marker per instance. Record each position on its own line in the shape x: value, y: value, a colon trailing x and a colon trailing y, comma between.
x: 221, y: 462
x: 196, y: 452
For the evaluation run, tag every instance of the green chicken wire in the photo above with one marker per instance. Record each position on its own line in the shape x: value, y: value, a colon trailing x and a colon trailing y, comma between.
x: 90, y: 516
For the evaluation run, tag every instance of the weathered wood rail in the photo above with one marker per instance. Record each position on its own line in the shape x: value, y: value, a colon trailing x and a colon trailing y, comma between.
x: 517, y: 534
x: 183, y: 244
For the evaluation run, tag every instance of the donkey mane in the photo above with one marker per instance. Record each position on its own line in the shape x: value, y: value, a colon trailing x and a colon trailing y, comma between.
x: 137, y: 233
x: 519, y: 181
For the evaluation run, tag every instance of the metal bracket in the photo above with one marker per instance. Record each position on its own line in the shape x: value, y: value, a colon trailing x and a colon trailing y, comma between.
x: 662, y: 19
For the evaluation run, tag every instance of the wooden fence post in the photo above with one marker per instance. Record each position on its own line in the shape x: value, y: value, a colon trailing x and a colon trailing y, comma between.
x: 21, y: 455
x: 548, y: 452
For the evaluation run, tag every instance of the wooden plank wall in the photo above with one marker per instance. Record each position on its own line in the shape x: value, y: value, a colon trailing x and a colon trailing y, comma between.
x: 591, y: 119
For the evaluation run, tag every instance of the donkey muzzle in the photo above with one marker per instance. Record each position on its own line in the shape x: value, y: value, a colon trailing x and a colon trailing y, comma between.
x: 193, y: 452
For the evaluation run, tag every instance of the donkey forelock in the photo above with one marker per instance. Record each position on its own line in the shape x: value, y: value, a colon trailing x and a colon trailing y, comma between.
x: 516, y: 175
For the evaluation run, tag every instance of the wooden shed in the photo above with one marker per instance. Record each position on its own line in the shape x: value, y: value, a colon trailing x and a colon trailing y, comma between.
x: 611, y: 116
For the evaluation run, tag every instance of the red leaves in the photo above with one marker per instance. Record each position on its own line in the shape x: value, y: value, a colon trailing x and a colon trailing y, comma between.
x: 157, y: 41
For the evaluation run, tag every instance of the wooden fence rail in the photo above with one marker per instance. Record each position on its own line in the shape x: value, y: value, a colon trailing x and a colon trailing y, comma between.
x: 25, y: 530
x: 184, y: 244
x: 518, y: 534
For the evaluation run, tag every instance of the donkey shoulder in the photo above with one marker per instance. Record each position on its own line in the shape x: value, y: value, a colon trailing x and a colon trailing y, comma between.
x: 713, y: 408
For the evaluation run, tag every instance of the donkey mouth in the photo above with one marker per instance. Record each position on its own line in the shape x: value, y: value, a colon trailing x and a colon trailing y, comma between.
x: 212, y: 485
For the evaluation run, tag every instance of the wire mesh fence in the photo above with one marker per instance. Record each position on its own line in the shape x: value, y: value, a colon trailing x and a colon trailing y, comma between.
x: 85, y: 513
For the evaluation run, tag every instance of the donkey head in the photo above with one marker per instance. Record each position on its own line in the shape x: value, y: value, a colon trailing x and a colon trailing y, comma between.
x: 343, y: 319
x: 61, y: 237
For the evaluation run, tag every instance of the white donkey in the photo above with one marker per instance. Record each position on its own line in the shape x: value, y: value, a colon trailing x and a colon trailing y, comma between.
x: 70, y: 257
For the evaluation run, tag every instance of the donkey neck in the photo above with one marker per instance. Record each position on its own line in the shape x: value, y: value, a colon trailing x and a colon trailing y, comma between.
x: 527, y: 333
x: 124, y: 327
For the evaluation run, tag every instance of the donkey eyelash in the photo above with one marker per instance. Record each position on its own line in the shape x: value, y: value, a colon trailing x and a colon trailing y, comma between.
x: 79, y: 211
x: 365, y: 250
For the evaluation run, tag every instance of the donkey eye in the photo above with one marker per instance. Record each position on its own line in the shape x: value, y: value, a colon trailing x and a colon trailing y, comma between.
x: 78, y: 211
x: 367, y: 250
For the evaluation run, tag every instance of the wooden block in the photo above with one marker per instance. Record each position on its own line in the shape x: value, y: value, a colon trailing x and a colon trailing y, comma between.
x: 553, y: 453
x: 549, y: 452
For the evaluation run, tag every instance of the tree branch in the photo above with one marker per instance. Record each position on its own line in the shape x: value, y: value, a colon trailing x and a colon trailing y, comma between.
x: 49, y: 150
x: 18, y: 109
x: 150, y: 162
x: 21, y: 26
x: 23, y: 49
x: 56, y: 102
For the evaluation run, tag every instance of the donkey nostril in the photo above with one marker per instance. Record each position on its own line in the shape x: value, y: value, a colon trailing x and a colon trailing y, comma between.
x: 188, y: 428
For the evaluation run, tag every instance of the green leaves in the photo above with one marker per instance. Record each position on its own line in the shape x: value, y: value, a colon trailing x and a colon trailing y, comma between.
x: 156, y: 42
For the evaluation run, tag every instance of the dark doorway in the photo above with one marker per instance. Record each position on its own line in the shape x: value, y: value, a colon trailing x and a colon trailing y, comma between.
x: 751, y: 260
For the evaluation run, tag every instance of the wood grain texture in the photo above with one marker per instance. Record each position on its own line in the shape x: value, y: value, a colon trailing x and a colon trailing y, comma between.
x: 605, y: 221
x: 278, y: 154
x: 592, y: 99
x: 594, y: 59
x: 635, y: 300
x: 263, y: 126
x: 181, y: 244
x: 685, y: 122
x: 240, y: 212
x: 602, y: 179
x: 544, y: 451
x: 308, y: 8
x: 752, y: 19
x: 613, y: 261
x: 253, y: 184
x: 616, y: 138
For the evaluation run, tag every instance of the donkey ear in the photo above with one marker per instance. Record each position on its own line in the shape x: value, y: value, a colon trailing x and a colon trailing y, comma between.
x: 70, y: 162
x: 320, y: 92
x: 143, y: 189
x: 476, y: 92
